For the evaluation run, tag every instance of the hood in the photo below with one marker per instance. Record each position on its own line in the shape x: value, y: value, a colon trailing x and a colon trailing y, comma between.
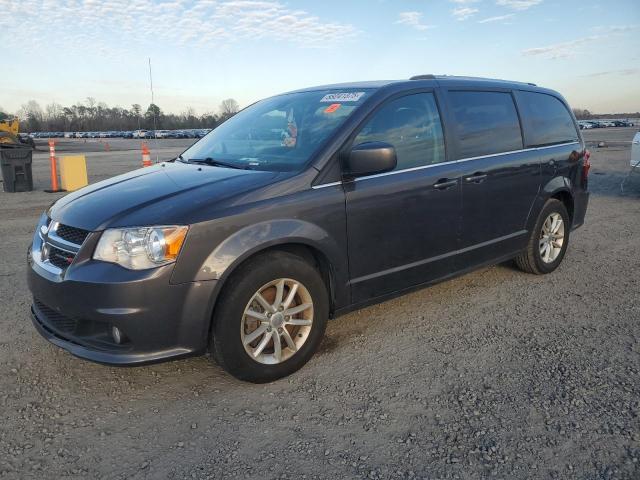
x: 162, y: 194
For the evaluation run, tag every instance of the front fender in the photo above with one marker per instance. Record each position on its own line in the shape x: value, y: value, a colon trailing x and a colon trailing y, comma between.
x: 254, y: 238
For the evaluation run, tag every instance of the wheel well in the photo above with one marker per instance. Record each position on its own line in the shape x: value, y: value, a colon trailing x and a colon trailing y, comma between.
x: 316, y: 258
x: 312, y: 255
x: 566, y: 198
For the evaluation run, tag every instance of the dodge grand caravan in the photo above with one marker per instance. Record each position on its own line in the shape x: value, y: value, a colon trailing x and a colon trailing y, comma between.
x: 302, y: 207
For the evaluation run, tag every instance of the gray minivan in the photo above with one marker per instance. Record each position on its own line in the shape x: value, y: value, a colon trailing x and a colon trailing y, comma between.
x: 303, y: 207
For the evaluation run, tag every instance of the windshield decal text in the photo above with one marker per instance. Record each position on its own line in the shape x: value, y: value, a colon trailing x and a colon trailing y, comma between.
x: 342, y: 97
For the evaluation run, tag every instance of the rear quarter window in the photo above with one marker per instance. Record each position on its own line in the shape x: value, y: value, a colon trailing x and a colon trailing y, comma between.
x: 485, y: 123
x: 545, y: 119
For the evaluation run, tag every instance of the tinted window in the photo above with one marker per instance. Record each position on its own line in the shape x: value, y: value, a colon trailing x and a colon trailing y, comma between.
x: 486, y: 123
x: 412, y: 125
x: 545, y: 119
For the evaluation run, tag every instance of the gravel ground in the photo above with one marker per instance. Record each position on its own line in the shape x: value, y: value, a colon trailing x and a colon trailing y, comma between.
x: 494, y: 374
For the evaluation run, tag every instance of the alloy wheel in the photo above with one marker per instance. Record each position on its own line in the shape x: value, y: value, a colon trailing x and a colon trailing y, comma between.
x: 277, y: 321
x: 551, y: 238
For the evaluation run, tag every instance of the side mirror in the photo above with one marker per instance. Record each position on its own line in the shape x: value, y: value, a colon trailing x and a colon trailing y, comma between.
x: 370, y: 158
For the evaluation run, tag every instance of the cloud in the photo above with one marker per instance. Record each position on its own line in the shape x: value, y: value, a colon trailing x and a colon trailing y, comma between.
x: 413, y: 19
x: 497, y: 19
x: 615, y: 28
x: 571, y: 48
x: 623, y: 72
x: 559, y: 50
x: 462, y: 13
x: 75, y: 24
x: 518, y: 4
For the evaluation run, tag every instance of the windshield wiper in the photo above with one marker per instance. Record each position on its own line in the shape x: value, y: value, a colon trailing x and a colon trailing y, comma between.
x: 218, y: 163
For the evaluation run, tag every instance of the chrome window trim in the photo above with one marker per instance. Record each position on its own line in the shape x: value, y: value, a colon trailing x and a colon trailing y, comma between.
x: 556, y: 145
x: 412, y: 169
x: 324, y: 185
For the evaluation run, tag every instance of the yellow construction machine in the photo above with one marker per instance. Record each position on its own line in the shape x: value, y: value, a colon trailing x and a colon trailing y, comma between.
x: 9, y: 134
x: 9, y: 131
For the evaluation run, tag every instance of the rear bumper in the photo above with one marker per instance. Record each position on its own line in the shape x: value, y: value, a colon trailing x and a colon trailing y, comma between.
x: 580, y: 204
x: 158, y: 320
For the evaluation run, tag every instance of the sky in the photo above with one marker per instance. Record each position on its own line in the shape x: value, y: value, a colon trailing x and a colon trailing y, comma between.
x: 203, y: 51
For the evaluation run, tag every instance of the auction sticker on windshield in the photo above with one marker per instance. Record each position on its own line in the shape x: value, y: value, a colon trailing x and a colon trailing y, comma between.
x: 332, y: 108
x: 342, y: 97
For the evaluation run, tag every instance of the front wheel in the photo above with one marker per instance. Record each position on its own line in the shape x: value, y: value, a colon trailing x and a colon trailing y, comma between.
x: 270, y: 318
x: 549, y: 240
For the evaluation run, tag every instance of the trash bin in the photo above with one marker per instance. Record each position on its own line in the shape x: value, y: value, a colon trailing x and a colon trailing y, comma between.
x: 16, y: 168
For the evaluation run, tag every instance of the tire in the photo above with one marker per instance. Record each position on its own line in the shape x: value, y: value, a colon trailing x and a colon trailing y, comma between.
x: 230, y: 322
x: 532, y: 260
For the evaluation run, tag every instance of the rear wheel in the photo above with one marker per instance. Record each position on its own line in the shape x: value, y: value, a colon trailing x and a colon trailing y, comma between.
x: 549, y: 240
x: 270, y: 318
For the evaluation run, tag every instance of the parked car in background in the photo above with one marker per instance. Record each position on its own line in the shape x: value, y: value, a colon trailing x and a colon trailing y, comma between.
x: 139, y: 133
x: 635, y: 152
x: 26, y: 139
x: 246, y: 244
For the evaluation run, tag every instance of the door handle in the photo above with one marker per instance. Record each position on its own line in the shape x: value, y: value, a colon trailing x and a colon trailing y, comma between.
x: 445, y: 183
x: 478, y: 177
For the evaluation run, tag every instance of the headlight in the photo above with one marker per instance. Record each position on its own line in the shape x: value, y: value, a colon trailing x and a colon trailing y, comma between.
x: 139, y: 248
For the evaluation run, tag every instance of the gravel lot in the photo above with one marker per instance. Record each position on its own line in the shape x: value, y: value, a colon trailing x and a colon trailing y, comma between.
x: 494, y: 374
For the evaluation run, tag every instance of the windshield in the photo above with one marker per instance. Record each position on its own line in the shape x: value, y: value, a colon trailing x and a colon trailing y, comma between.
x: 277, y: 134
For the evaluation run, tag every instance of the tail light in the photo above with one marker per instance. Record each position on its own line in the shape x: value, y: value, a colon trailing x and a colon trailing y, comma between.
x: 586, y: 165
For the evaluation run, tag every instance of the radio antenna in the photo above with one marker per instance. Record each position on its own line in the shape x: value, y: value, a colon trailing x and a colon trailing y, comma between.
x: 155, y: 134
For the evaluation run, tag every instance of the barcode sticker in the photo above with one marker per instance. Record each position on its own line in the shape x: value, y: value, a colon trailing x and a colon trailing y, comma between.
x: 342, y: 97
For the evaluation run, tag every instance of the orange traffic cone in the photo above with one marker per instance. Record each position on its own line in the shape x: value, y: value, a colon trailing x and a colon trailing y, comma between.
x: 54, y: 168
x: 146, y: 155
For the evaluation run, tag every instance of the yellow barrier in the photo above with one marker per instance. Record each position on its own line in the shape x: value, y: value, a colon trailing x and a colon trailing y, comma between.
x: 73, y: 172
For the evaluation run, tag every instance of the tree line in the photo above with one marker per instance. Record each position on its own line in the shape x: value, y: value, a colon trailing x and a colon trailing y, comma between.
x: 91, y: 115
x: 583, y: 114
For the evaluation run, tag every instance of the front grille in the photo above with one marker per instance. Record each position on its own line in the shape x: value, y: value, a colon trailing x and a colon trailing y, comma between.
x: 60, y: 258
x: 54, y: 319
x: 72, y: 234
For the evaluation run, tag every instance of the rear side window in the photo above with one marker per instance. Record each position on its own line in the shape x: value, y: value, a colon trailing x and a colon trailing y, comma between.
x: 545, y: 119
x: 412, y: 125
x: 485, y: 123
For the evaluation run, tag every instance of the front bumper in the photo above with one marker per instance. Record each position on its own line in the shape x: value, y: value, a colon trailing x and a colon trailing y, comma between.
x: 158, y: 320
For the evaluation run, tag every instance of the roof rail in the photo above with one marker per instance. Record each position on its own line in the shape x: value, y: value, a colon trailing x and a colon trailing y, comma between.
x: 532, y: 84
x: 423, y: 77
